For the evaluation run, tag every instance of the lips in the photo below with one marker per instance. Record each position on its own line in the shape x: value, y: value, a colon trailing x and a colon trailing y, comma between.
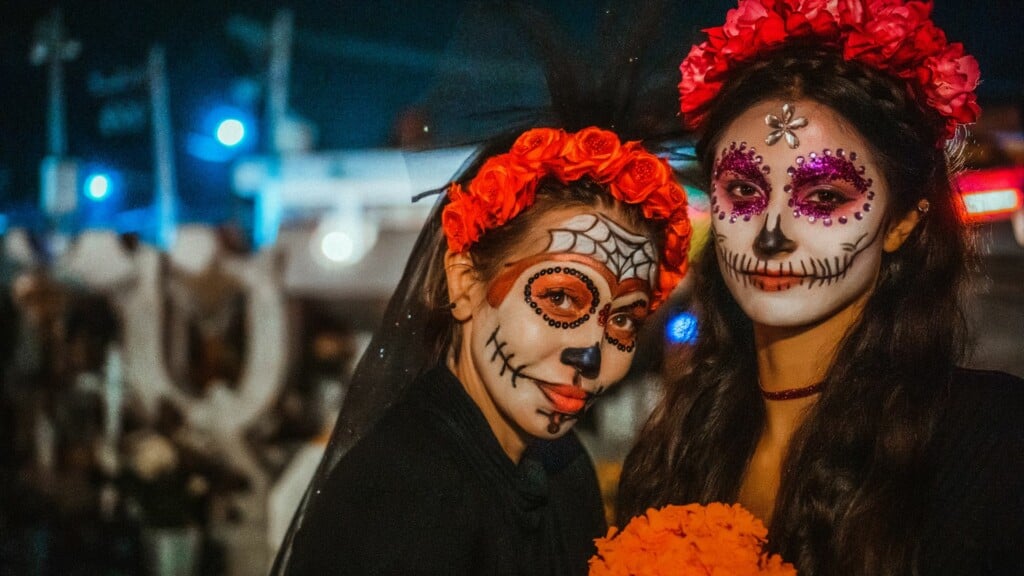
x: 775, y: 282
x: 566, y: 398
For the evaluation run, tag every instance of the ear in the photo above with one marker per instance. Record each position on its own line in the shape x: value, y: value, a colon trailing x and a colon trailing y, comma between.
x: 900, y: 230
x: 464, y: 285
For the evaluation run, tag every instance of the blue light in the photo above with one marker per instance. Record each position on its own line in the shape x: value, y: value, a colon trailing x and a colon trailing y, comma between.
x: 682, y: 328
x: 97, y: 186
x: 230, y: 132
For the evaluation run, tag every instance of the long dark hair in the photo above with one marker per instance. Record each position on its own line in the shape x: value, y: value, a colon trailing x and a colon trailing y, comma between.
x: 850, y: 495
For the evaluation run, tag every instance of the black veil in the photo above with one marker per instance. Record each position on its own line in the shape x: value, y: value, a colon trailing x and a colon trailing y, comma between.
x: 510, y: 68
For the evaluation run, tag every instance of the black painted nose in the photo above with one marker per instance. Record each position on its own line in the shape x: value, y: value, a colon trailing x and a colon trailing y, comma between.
x: 587, y: 361
x: 771, y: 242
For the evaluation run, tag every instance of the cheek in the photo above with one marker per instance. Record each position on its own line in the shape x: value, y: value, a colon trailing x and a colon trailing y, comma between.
x: 615, y: 364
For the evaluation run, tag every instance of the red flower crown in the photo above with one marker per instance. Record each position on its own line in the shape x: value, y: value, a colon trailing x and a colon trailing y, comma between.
x: 893, y: 36
x: 507, y: 183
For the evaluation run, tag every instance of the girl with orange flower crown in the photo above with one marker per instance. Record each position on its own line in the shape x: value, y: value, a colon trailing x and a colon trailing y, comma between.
x: 824, y: 394
x: 520, y: 306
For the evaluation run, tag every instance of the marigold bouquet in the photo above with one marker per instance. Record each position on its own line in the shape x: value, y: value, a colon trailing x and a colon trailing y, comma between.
x: 716, y: 539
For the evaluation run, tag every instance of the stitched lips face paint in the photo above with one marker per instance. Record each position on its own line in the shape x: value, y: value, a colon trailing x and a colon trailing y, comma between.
x: 544, y: 340
x: 798, y: 234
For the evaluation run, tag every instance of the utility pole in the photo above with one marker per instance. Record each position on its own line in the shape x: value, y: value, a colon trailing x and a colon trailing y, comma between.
x: 278, y: 73
x: 58, y: 176
x: 53, y: 49
x: 165, y: 201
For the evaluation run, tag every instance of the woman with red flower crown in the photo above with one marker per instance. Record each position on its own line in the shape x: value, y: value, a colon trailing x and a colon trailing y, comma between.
x: 824, y: 393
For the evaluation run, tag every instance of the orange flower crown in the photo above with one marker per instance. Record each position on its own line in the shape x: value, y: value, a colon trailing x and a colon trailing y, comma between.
x: 894, y: 36
x: 691, y: 539
x: 506, y: 185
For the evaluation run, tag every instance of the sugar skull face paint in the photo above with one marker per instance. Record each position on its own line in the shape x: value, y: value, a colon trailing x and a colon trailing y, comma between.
x: 559, y: 323
x: 799, y: 234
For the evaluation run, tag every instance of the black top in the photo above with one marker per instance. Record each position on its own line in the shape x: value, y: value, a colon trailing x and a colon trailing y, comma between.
x: 430, y: 491
x: 974, y: 517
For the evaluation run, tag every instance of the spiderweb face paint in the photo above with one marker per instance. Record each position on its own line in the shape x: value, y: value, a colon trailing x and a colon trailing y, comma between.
x: 814, y: 242
x: 542, y: 342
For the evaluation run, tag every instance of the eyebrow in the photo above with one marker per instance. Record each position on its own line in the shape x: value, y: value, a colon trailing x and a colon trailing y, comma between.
x: 827, y: 167
x: 743, y: 161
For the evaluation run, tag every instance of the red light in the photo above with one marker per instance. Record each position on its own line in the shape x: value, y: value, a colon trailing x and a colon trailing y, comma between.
x: 992, y: 194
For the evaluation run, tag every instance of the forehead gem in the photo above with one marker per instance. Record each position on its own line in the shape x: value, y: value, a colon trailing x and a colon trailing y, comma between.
x: 783, y: 127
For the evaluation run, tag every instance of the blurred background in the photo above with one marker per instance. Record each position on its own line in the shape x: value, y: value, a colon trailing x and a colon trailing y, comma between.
x: 205, y: 205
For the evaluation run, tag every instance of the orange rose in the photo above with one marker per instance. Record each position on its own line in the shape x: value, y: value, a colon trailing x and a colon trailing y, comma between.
x: 500, y: 185
x: 460, y: 220
x: 538, y: 146
x: 665, y: 202
x: 593, y: 152
x: 641, y: 176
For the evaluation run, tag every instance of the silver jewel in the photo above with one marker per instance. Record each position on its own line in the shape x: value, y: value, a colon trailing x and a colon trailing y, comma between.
x: 784, y: 126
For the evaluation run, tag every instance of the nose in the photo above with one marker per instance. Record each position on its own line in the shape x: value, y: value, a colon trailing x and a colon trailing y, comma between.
x: 586, y: 361
x: 771, y: 242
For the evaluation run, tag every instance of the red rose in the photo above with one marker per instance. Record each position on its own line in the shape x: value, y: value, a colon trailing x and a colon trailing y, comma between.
x: 641, y: 176
x: 593, y: 152
x: 810, y: 17
x: 535, y: 147
x: 751, y: 27
x: 848, y: 13
x: 886, y: 40
x: 948, y: 80
x: 696, y: 88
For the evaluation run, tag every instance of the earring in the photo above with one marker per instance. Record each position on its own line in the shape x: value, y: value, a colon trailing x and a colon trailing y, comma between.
x: 451, y: 306
x: 923, y: 206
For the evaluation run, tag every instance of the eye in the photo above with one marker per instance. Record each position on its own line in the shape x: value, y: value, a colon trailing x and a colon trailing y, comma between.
x: 741, y: 191
x: 564, y: 297
x: 624, y: 323
x: 827, y: 196
x: 560, y: 299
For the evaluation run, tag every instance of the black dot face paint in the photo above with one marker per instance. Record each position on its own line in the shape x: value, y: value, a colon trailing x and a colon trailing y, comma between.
x: 622, y: 324
x: 563, y: 296
x: 536, y: 340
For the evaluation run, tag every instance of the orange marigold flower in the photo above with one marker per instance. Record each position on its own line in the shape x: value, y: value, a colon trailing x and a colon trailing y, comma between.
x: 716, y: 539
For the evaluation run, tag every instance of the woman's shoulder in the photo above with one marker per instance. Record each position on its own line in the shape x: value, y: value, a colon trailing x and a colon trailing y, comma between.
x: 976, y: 500
x: 412, y: 443
x: 988, y: 399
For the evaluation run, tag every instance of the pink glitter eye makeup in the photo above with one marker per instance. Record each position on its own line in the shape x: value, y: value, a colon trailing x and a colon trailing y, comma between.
x: 741, y: 189
x: 829, y: 187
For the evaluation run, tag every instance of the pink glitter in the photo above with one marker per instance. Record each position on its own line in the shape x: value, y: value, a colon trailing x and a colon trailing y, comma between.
x: 744, y: 163
x: 826, y: 167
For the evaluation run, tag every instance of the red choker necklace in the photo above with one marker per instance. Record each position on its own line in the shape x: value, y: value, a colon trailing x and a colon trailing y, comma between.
x: 792, y: 393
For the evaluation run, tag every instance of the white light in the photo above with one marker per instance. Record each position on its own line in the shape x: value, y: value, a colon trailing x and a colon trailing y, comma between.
x: 230, y: 132
x: 97, y: 186
x: 992, y: 201
x: 337, y: 246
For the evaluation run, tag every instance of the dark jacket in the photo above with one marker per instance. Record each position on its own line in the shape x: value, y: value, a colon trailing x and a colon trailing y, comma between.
x: 430, y: 491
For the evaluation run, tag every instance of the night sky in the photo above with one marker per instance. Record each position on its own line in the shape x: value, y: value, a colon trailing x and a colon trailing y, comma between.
x: 356, y: 67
